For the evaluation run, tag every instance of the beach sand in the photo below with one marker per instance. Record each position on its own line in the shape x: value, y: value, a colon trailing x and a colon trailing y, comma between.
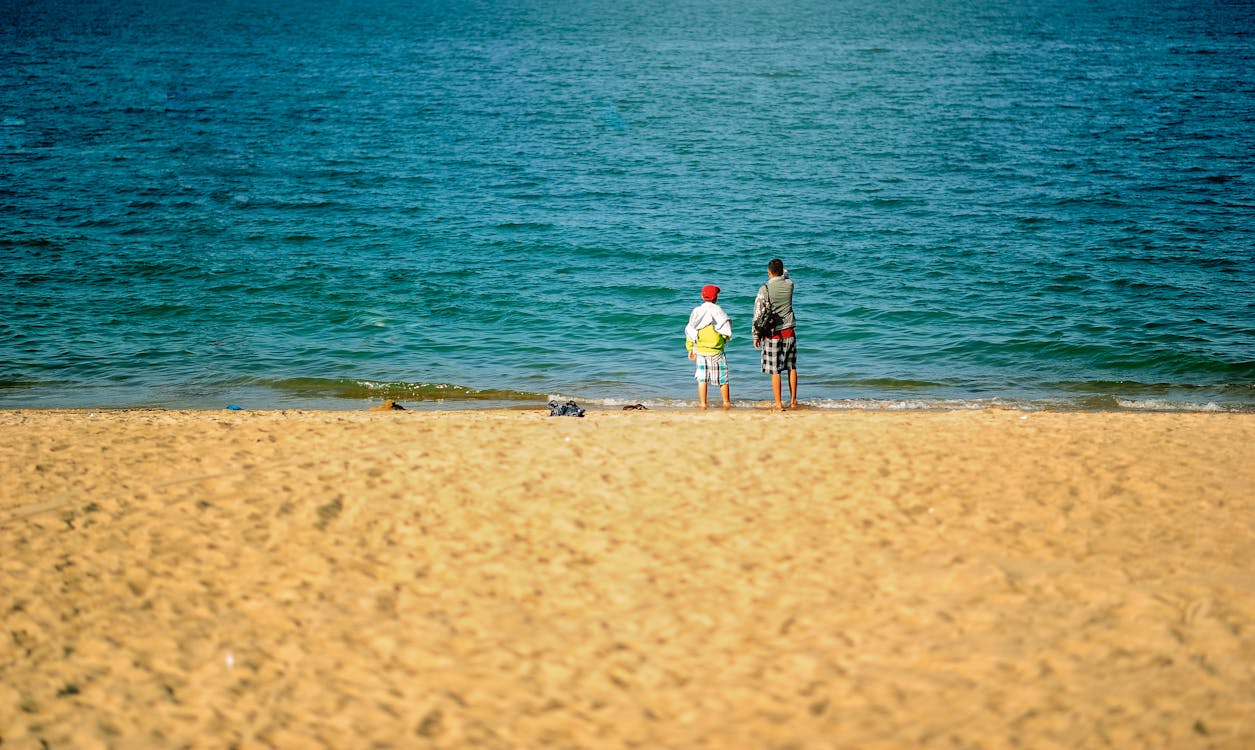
x: 980, y: 579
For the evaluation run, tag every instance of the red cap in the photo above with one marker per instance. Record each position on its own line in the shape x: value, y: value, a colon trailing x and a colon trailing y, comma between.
x: 710, y: 292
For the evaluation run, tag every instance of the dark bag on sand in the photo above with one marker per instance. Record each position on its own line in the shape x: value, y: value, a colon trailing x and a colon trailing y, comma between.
x: 768, y: 319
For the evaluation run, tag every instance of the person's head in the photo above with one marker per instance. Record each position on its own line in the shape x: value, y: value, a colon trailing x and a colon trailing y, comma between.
x: 775, y: 267
x: 710, y: 293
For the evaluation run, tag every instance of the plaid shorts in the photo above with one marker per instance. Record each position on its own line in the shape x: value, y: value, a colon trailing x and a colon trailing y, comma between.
x: 779, y: 355
x: 713, y: 370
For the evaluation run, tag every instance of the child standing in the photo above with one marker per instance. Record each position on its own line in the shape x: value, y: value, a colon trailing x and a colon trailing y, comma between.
x: 708, y: 329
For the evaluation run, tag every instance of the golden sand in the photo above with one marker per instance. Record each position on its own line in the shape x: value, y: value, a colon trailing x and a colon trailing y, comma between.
x: 631, y: 579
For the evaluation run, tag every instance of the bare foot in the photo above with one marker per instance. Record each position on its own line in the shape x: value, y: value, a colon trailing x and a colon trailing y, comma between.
x: 726, y: 405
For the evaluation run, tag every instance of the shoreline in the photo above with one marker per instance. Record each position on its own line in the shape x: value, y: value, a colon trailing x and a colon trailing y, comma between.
x: 669, y: 577
x: 313, y: 394
x: 852, y: 406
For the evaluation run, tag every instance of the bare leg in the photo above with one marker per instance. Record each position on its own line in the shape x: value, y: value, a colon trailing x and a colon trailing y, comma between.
x: 701, y: 394
x: 775, y: 390
x: 792, y: 389
x: 726, y: 392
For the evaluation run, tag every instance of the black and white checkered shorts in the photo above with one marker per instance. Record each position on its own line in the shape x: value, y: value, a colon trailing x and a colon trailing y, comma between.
x: 779, y: 355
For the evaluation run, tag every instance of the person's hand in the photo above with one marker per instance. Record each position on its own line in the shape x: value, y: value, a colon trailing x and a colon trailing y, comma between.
x: 692, y: 354
x: 756, y: 342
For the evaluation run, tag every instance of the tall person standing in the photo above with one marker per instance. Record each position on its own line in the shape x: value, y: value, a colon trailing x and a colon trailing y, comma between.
x: 773, y: 330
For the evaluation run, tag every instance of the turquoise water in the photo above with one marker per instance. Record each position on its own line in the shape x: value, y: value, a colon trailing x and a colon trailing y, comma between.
x: 457, y: 204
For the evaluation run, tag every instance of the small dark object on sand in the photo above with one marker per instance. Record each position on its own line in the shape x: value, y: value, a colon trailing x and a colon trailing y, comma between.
x: 569, y: 409
x: 631, y: 407
x: 388, y: 405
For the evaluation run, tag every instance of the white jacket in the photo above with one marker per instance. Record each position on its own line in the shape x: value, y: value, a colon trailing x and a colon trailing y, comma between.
x: 708, y: 314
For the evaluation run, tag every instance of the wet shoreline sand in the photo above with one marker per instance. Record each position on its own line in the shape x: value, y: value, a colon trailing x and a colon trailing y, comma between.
x: 659, y: 579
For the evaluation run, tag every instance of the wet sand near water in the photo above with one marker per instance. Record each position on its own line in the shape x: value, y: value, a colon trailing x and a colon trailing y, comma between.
x: 630, y: 579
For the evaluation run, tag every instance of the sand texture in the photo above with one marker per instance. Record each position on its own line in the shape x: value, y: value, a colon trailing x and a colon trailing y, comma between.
x: 643, y: 579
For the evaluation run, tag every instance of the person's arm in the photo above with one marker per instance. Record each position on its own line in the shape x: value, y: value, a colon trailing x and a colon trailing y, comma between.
x: 690, y: 335
x: 690, y: 330
x: 760, y: 302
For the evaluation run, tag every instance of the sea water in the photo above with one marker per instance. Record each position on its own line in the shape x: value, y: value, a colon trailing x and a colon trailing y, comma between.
x: 1039, y: 204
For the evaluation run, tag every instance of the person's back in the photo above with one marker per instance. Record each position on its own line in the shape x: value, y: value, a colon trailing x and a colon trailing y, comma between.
x: 779, y: 347
x: 779, y: 290
x: 709, y: 340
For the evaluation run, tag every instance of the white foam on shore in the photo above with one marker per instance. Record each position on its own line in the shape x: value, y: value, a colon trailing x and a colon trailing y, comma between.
x: 1158, y: 404
x: 921, y: 404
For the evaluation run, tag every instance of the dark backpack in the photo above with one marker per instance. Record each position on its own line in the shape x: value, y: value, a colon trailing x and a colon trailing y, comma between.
x: 768, y: 320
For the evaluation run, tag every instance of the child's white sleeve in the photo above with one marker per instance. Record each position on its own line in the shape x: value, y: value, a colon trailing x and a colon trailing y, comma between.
x: 723, y: 324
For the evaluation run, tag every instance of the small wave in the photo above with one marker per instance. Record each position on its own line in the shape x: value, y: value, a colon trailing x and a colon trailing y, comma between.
x: 1237, y: 392
x: 1158, y: 404
x: 525, y: 225
x: 897, y: 202
x: 127, y: 270
x: 303, y: 203
x: 371, y: 389
x: 31, y: 242
x: 1102, y: 402
x: 886, y: 383
x: 15, y: 384
x: 916, y: 404
x: 1090, y: 403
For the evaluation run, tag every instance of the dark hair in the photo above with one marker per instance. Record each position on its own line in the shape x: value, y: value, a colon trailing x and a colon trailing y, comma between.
x: 776, y: 266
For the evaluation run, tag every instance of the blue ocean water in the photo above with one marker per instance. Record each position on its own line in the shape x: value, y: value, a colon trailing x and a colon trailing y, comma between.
x: 1042, y: 204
